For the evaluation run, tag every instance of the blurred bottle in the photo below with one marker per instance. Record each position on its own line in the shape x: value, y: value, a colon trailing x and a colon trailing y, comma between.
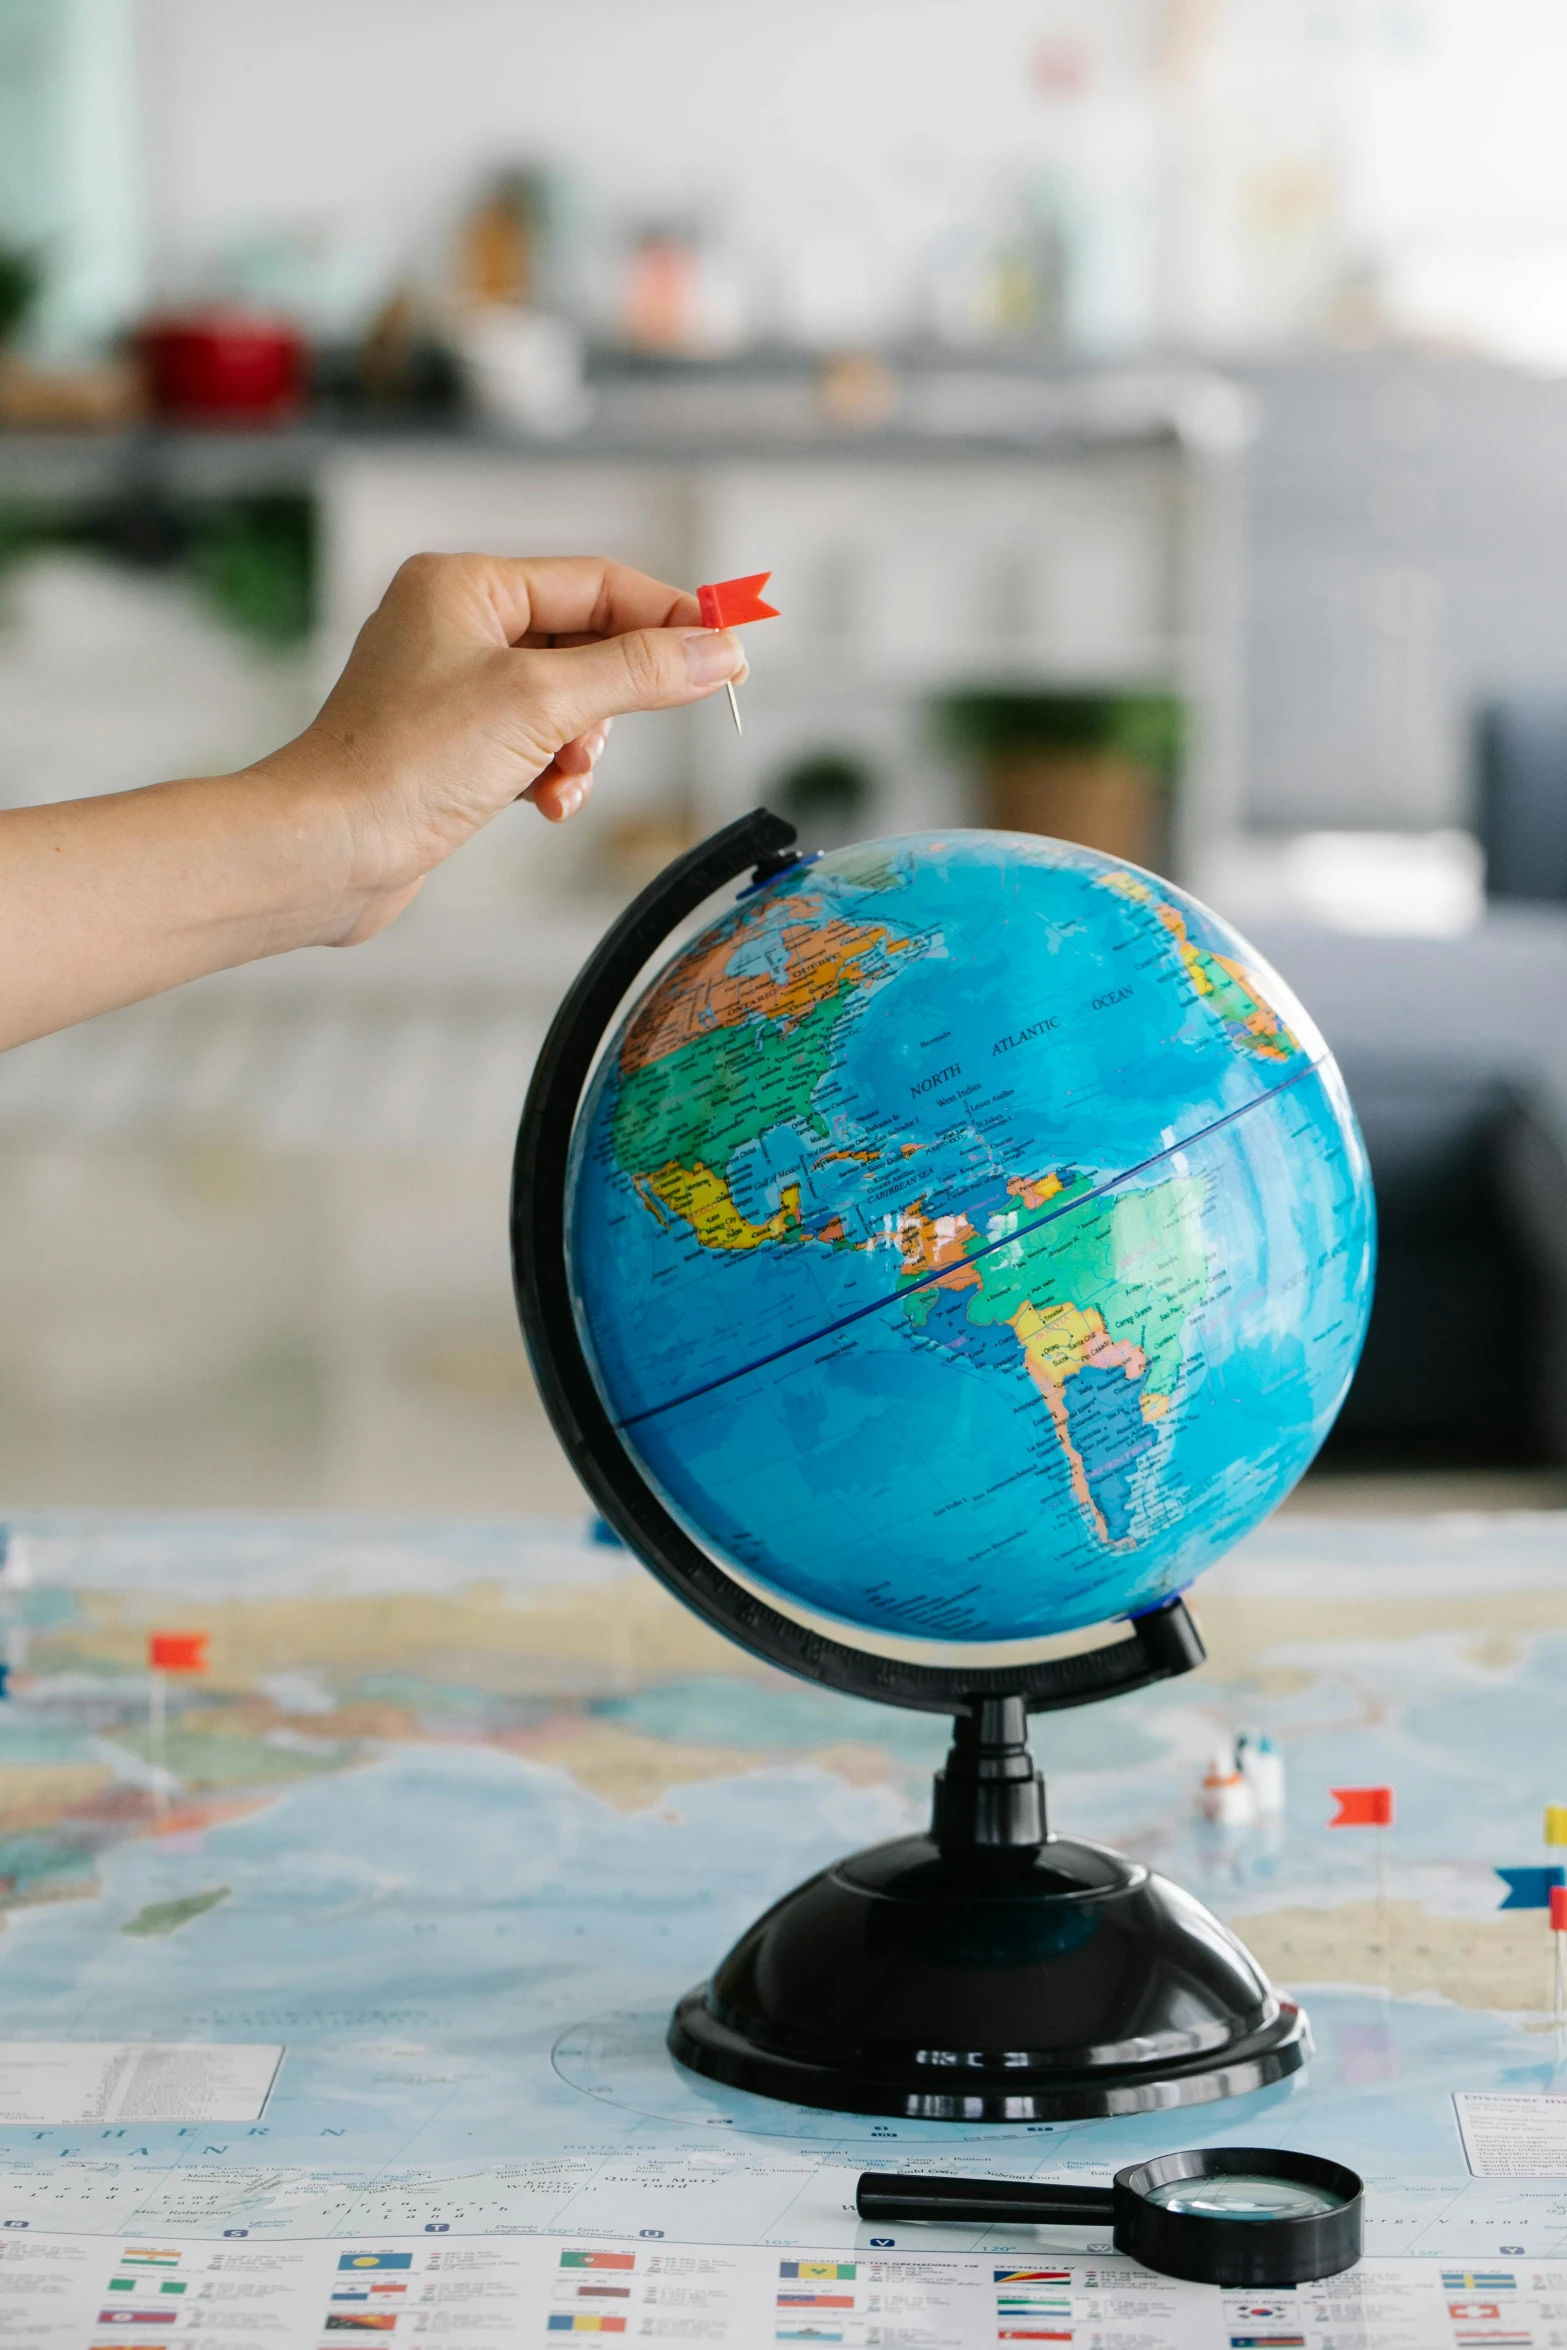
x: 520, y: 356
x: 663, y: 271
x: 1005, y: 278
x: 683, y: 293
x: 500, y: 247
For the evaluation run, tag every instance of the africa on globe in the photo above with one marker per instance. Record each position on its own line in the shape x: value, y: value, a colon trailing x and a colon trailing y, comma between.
x: 970, y: 1236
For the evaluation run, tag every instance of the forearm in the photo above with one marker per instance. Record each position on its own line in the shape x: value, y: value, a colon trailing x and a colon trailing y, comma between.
x: 107, y: 900
x: 476, y: 682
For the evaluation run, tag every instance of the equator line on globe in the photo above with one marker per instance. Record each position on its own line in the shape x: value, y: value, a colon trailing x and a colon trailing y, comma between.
x: 970, y: 1236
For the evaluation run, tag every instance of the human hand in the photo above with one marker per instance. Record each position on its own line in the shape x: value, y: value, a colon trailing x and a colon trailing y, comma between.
x: 477, y: 681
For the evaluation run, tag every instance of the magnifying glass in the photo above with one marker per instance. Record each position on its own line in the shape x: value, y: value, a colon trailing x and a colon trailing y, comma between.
x: 1220, y: 2215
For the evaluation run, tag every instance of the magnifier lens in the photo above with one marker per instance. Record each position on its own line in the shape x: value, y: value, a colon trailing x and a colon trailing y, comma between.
x: 1232, y: 2195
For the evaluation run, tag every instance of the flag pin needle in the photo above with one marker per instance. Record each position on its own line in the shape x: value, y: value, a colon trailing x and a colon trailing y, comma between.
x: 730, y: 603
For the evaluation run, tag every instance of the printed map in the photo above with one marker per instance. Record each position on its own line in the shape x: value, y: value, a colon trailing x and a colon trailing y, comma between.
x: 460, y: 1810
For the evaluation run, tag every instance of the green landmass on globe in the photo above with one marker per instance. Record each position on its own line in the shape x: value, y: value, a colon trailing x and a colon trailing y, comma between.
x: 971, y: 1237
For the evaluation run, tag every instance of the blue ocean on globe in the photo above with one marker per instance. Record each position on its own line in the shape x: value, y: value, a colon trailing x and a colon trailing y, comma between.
x: 971, y: 1237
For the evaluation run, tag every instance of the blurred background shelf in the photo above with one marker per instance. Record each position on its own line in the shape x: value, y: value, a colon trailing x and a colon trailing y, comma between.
x: 1154, y: 419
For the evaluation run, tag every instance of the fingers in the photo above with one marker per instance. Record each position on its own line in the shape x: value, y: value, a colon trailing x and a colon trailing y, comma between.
x: 566, y: 782
x: 582, y: 756
x: 645, y: 669
x: 559, y: 796
x: 512, y: 600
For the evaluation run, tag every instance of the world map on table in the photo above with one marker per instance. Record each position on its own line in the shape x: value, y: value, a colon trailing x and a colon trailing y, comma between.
x: 971, y: 1236
x: 457, y: 1812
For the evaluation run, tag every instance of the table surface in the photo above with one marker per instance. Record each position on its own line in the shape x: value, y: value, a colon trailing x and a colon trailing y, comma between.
x: 459, y: 1809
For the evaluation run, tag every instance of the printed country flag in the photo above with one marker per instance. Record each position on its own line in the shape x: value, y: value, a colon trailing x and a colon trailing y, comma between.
x: 808, y: 2333
x: 1006, y: 2306
x: 1033, y: 2333
x: 1474, y: 2309
x: 566, y: 2291
x: 585, y: 2321
x: 139, y: 2256
x: 598, y: 2260
x: 820, y: 2272
x: 1032, y: 2276
x: 137, y: 2317
x: 1267, y: 2342
x: 816, y: 2300
x: 147, y: 2285
x: 365, y: 2292
x: 1494, y: 2338
x: 1478, y: 2280
x: 359, y: 2260
x: 361, y: 2321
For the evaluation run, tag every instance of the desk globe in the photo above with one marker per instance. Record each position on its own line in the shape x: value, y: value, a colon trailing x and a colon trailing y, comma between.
x: 961, y: 1241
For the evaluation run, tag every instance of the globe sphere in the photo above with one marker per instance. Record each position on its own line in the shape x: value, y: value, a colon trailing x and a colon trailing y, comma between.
x: 970, y: 1236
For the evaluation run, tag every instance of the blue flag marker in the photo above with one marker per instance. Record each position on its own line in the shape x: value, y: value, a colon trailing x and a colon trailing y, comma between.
x: 1530, y: 1888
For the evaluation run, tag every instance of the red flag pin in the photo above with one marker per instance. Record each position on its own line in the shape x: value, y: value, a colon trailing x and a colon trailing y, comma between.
x: 1362, y: 1807
x: 1369, y: 1807
x: 731, y: 603
x: 177, y: 1652
x: 167, y: 1652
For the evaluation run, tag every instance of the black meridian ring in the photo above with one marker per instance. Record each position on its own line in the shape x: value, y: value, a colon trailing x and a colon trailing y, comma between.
x: 1162, y: 1642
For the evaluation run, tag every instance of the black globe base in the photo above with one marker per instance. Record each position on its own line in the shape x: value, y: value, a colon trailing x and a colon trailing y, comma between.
x: 989, y: 1972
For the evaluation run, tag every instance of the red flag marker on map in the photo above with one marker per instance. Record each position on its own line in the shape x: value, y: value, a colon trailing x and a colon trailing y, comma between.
x: 178, y: 1652
x: 1370, y: 1807
x: 1362, y: 1807
x: 167, y: 1652
x: 1559, y: 1949
x: 731, y: 603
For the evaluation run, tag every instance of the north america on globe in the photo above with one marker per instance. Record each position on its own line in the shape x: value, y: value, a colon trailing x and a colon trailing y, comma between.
x: 971, y: 1237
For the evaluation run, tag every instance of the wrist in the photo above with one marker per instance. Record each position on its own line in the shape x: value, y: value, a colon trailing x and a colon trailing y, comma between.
x: 324, y: 881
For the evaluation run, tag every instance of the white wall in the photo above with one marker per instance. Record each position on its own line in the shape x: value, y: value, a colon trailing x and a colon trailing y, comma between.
x: 1232, y: 165
x: 839, y: 136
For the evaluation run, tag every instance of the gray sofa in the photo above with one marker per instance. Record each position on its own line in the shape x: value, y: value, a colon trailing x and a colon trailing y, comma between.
x: 1455, y: 1053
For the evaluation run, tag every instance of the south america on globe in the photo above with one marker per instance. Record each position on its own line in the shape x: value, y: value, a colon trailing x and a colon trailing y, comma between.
x: 970, y: 1236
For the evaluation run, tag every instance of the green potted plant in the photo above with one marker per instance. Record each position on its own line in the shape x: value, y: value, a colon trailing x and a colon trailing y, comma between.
x: 1096, y: 768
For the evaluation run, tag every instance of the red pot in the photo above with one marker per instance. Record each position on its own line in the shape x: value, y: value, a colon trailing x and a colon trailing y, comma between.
x: 224, y: 367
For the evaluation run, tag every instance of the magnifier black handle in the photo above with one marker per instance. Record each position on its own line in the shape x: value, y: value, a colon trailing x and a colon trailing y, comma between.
x: 989, y: 2202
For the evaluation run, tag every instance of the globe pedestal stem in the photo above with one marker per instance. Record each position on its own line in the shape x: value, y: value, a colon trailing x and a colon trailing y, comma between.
x: 990, y: 1797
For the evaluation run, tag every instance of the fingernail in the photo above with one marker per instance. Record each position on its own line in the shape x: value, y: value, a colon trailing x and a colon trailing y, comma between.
x: 712, y: 656
x: 593, y: 744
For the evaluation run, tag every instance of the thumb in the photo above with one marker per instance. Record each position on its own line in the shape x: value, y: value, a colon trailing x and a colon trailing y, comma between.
x: 646, y: 669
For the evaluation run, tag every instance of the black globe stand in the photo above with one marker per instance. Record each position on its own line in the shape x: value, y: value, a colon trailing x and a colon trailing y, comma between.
x: 986, y: 1970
